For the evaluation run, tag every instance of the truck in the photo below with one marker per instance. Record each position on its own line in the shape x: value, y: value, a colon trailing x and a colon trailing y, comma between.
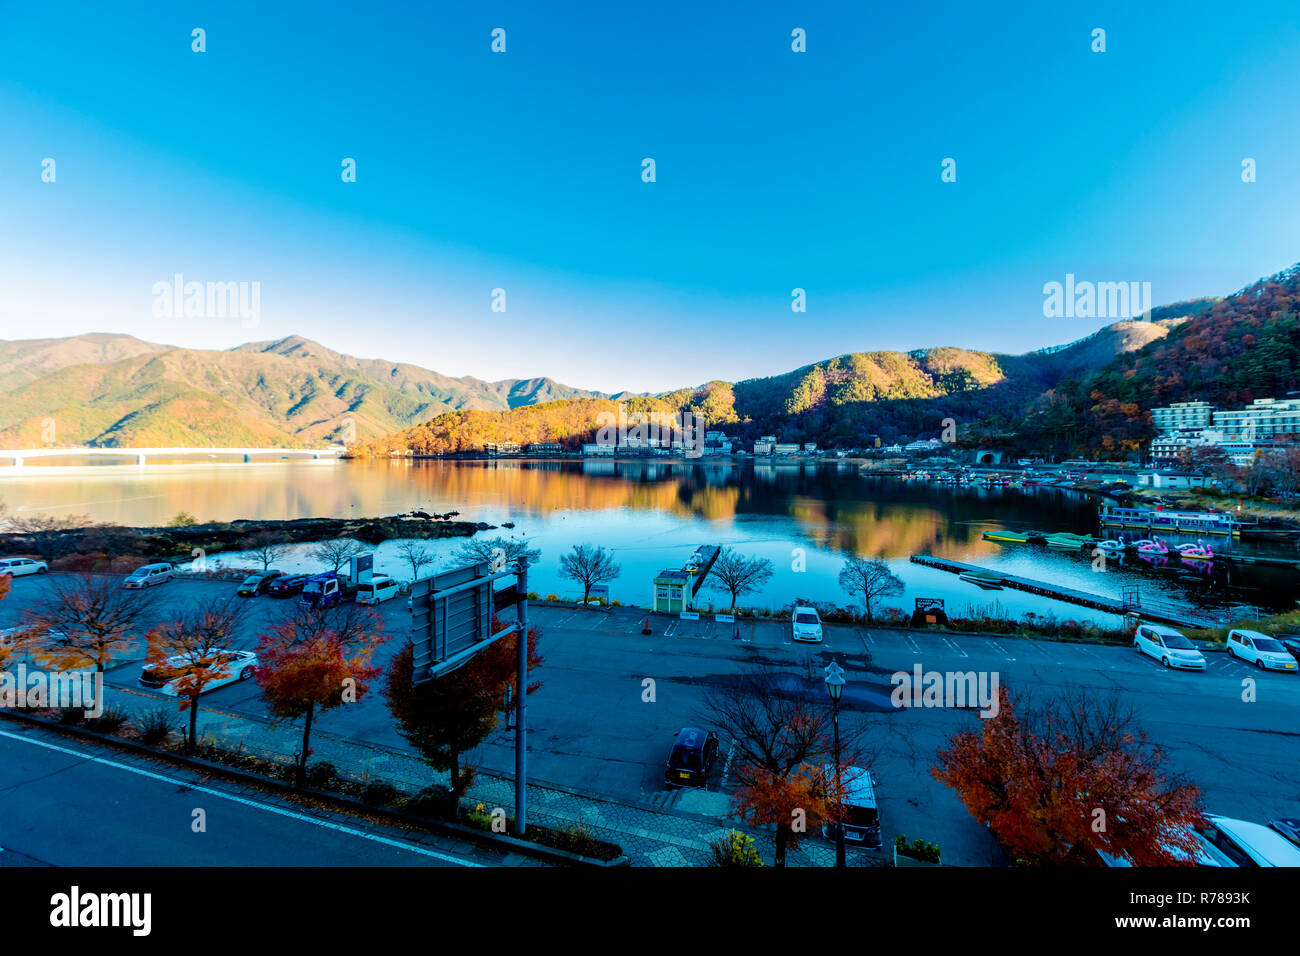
x: 327, y: 589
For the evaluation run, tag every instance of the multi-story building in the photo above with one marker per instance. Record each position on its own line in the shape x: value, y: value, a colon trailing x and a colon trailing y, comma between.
x: 1182, y: 415
x: 598, y: 448
x: 498, y: 448
x: 1261, y: 419
x: 544, y: 448
x: 1166, y: 448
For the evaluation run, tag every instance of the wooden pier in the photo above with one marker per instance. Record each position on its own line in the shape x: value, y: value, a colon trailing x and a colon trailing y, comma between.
x: 1164, y: 612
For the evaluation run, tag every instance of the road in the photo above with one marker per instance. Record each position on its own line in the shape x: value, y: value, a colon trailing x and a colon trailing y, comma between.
x: 591, y: 728
x: 116, y: 809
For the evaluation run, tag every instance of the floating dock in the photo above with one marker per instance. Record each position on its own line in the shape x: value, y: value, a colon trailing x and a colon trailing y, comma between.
x: 1163, y: 612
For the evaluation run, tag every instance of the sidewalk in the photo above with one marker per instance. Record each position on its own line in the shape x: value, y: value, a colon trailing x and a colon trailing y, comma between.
x: 649, y: 837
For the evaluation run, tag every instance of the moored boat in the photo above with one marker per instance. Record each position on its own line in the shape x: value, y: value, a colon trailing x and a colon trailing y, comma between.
x: 983, y: 579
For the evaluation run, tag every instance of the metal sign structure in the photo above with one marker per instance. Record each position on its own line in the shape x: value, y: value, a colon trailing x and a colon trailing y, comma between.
x: 363, y: 568
x: 451, y: 622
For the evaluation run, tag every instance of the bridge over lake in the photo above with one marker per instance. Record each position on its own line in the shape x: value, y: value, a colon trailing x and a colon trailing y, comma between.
x: 20, y: 456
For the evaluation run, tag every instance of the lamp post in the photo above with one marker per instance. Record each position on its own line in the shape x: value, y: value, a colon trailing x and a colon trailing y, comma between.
x: 835, y: 686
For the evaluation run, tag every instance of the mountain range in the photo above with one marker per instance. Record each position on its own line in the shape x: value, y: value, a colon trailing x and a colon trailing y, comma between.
x: 116, y: 390
x: 1089, y: 394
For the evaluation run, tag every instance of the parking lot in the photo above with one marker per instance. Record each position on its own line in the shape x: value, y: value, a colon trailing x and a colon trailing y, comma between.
x: 592, y: 728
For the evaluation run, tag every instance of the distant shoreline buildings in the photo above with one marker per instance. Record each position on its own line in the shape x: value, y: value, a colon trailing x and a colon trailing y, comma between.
x: 1264, y: 424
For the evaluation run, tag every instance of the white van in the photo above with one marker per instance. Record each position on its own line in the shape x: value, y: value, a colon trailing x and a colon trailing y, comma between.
x: 147, y: 575
x: 380, y: 589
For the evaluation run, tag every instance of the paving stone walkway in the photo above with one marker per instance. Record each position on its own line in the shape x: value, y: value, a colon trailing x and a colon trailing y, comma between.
x: 649, y: 837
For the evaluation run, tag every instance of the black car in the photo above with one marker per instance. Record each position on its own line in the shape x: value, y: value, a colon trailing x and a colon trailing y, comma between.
x: 287, y: 586
x: 693, y: 754
x: 258, y: 583
x: 1292, y: 645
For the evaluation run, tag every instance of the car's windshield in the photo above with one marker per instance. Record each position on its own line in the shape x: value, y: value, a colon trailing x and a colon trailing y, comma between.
x: 805, y: 619
x: 312, y: 586
x: 252, y: 579
x: 1178, y: 643
x: 1267, y: 644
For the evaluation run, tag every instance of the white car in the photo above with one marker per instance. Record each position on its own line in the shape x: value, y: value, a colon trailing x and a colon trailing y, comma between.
x: 806, y: 624
x: 20, y: 566
x: 1249, y: 844
x: 1260, y: 650
x: 238, y: 664
x: 147, y: 575
x: 1169, y: 647
x: 379, y: 590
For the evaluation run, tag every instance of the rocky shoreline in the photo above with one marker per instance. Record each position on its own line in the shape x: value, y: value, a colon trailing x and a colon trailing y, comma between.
x: 179, y: 542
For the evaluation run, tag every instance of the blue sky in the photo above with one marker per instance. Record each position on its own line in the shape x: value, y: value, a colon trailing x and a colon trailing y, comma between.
x: 522, y: 171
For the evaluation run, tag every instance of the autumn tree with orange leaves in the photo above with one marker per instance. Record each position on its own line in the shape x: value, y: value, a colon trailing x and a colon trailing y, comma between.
x: 444, y: 717
x: 193, y: 649
x: 1058, y: 782
x: 314, y: 661
x: 783, y: 735
x: 87, y: 621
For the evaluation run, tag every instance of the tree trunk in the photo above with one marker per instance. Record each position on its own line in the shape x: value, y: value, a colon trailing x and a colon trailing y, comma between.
x: 782, y: 834
x: 586, y: 593
x: 192, y: 743
x: 300, y: 776
x: 455, y: 772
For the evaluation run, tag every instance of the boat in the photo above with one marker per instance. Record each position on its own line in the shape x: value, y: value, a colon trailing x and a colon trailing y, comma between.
x: 1112, y: 544
x: 1194, y: 522
x: 1064, y: 541
x: 1008, y: 537
x: 983, y: 579
x: 1195, y: 552
x: 1151, y: 546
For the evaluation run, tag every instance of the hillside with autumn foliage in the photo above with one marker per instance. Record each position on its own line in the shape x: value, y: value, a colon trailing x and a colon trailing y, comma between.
x: 1243, y: 347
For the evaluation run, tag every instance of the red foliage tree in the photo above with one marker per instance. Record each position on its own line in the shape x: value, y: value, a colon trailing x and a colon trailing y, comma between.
x: 314, y: 662
x: 1071, y: 778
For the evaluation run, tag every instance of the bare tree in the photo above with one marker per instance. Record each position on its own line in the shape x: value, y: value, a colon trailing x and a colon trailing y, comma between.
x: 336, y: 552
x: 417, y: 553
x: 588, y: 564
x: 86, y: 621
x: 871, y: 579
x: 267, y: 547
x: 501, y: 553
x: 735, y: 574
x: 784, y: 736
x: 48, y: 534
x: 114, y: 541
x: 193, y: 648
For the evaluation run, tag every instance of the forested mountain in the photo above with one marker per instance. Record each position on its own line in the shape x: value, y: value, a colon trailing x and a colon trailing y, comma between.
x: 117, y: 390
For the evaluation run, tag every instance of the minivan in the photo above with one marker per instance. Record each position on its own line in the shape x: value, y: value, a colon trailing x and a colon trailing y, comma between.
x: 147, y: 575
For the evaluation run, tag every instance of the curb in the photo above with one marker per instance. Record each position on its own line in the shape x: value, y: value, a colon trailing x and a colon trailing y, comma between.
x: 446, y: 827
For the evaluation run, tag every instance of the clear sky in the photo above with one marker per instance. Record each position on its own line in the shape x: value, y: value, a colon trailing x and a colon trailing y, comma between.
x: 522, y: 171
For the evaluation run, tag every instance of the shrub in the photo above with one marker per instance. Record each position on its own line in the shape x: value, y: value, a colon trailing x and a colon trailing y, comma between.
x: 156, y: 725
x: 577, y: 839
x: 71, y: 715
x: 379, y: 792
x: 109, y: 721
x: 736, y: 849
x: 322, y: 775
x: 183, y: 519
x: 552, y: 597
x: 436, y: 802
x: 917, y: 849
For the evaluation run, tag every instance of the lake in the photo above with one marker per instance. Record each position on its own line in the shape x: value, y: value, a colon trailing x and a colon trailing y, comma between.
x: 803, y: 516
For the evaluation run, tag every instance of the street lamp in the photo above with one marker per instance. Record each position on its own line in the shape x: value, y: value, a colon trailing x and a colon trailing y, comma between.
x: 835, y: 687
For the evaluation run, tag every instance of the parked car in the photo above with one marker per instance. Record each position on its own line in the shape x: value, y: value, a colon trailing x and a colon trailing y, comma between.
x: 287, y: 585
x: 1261, y: 650
x: 239, y: 666
x: 1205, y: 854
x: 147, y: 575
x: 379, y: 590
x: 861, y: 815
x: 1169, y: 647
x: 1289, y: 828
x: 258, y: 583
x: 1291, y: 644
x: 806, y: 624
x: 17, y: 567
x: 693, y: 754
x: 1250, y: 844
x: 327, y: 589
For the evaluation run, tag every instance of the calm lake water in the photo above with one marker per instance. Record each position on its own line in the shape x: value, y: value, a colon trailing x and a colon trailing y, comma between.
x: 653, y: 515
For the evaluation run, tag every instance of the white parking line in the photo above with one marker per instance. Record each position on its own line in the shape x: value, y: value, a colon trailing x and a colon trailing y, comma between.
x: 911, y: 643
x: 280, y: 811
x: 955, y: 647
x: 1001, y: 650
